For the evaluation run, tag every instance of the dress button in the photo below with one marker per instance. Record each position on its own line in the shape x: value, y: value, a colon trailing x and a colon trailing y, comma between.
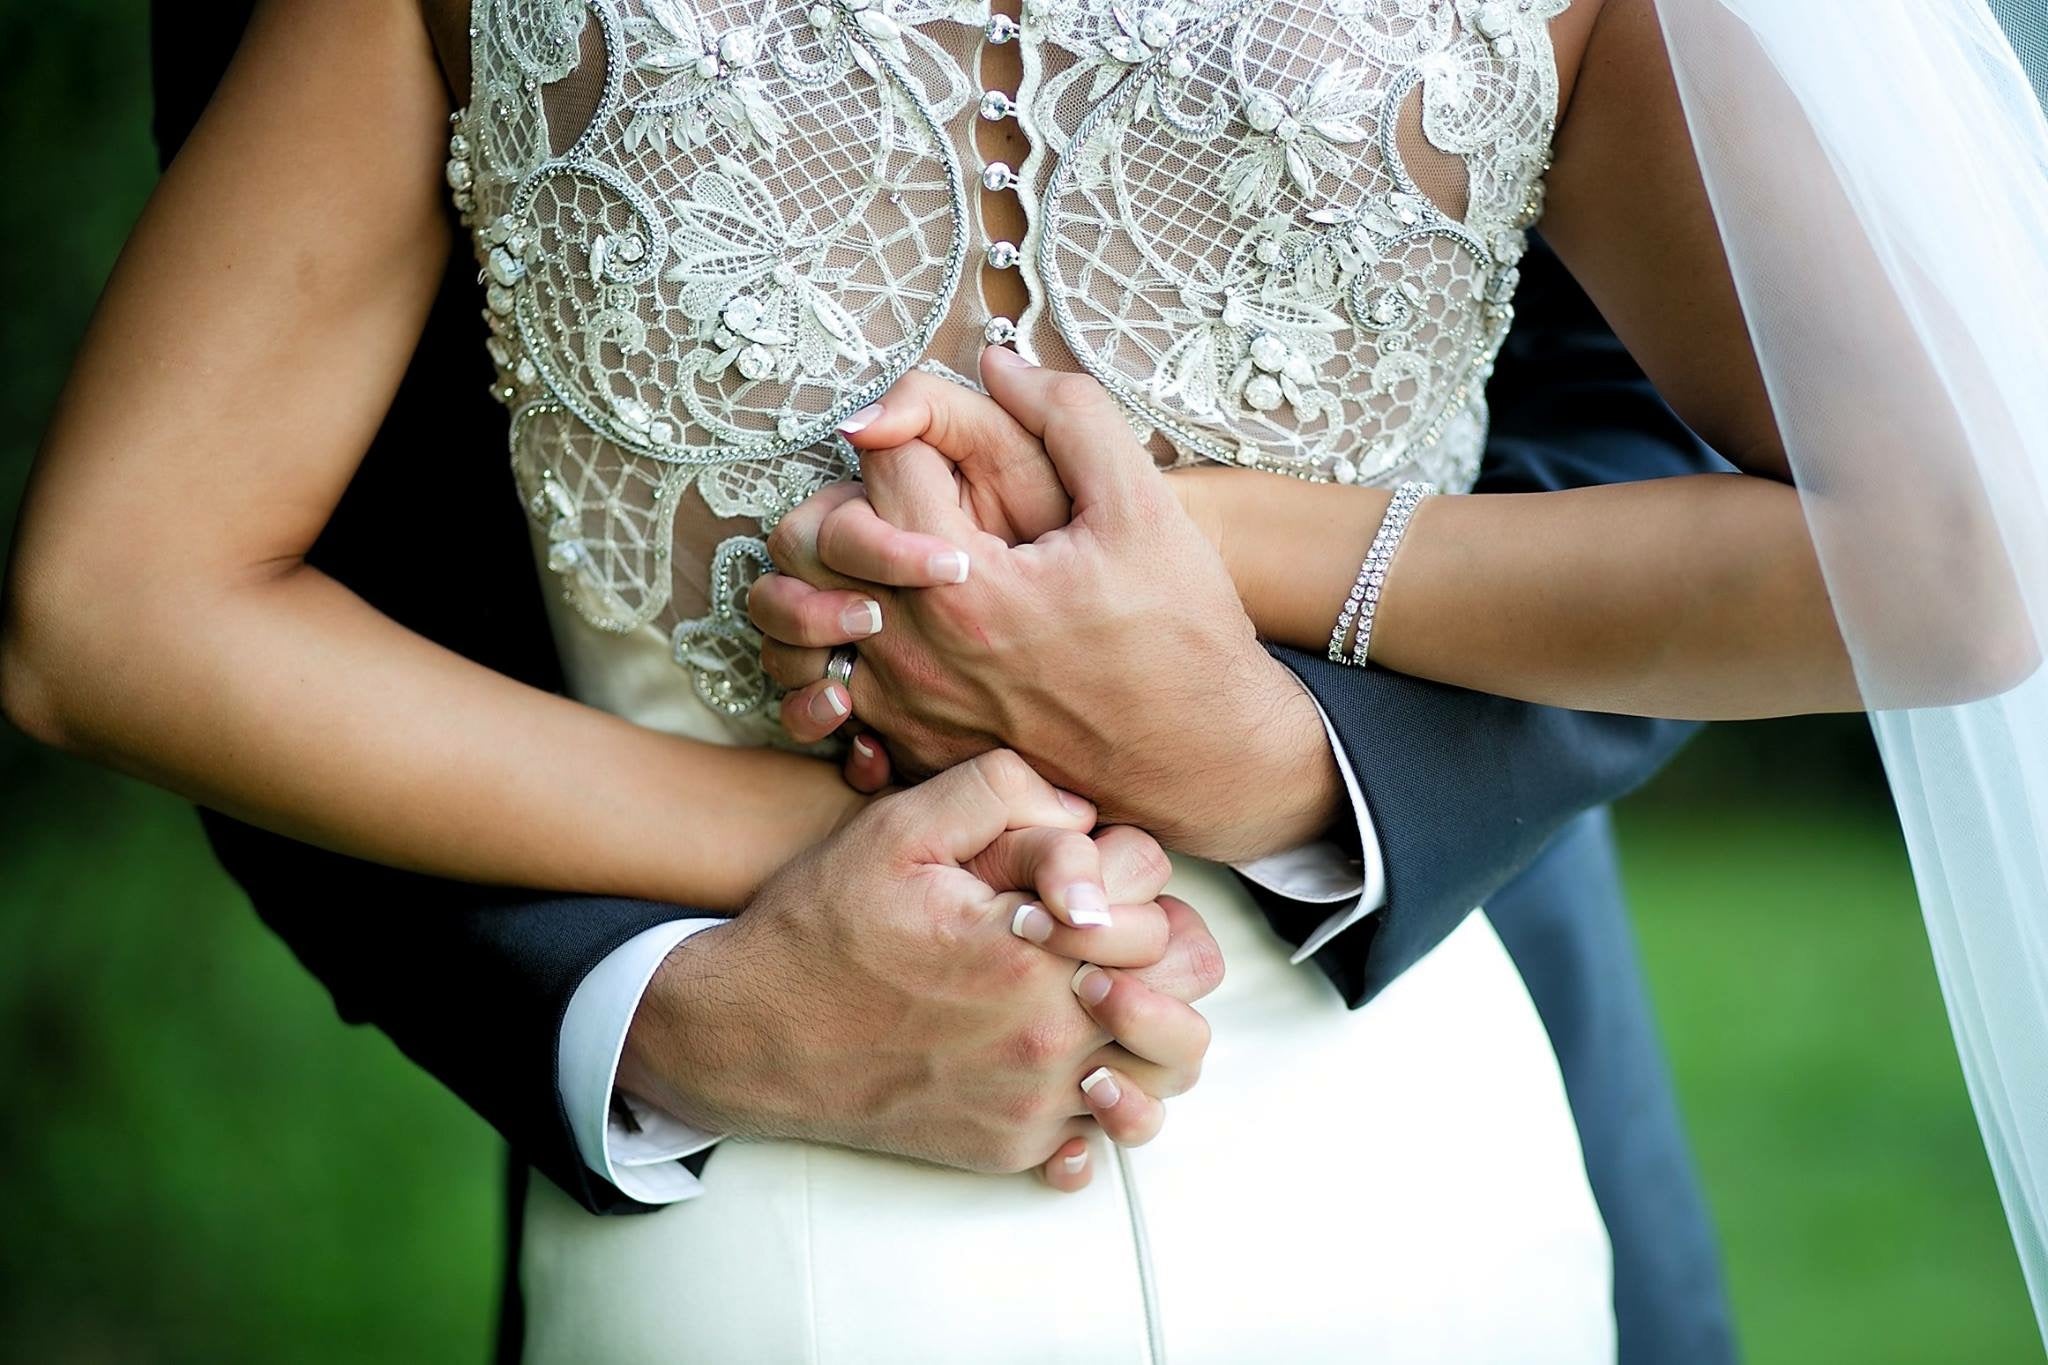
x: 1002, y: 255
x: 1000, y: 331
x: 997, y: 176
x: 996, y: 105
x: 1001, y: 28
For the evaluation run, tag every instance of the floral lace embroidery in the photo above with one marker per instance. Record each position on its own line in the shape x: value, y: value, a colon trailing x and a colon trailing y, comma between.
x: 758, y: 215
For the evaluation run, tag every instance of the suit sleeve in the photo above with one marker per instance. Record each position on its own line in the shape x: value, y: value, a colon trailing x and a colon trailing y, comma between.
x: 1466, y: 789
x: 470, y: 982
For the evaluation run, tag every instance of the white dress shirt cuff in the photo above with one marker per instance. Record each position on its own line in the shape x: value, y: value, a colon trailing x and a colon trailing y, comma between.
x: 1320, y: 873
x: 633, y: 1145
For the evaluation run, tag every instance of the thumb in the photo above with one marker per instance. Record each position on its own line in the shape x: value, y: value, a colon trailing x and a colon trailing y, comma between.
x: 1014, y: 491
x: 964, y: 809
x: 1084, y: 433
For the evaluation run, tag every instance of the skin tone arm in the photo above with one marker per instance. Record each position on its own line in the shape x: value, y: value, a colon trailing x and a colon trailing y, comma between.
x: 161, y: 616
x: 1696, y: 598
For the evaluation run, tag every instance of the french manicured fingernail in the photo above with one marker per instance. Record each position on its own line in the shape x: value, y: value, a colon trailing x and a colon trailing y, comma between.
x: 1101, y: 1089
x: 862, y: 618
x: 1086, y: 905
x: 828, y: 706
x: 1004, y: 355
x: 1031, y: 922
x: 859, y: 418
x: 863, y: 748
x: 947, y: 566
x: 1091, y: 983
x: 1074, y: 1163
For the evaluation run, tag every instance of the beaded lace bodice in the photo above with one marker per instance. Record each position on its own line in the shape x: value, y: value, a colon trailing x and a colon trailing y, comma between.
x: 1284, y: 233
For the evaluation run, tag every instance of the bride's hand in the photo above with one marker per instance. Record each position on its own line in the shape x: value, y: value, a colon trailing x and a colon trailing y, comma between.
x: 1156, y: 958
x: 1110, y: 648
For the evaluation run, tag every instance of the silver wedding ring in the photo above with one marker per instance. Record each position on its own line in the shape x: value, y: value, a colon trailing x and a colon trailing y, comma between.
x: 839, y: 668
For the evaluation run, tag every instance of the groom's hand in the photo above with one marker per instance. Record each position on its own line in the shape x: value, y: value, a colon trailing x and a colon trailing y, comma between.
x: 1110, y: 649
x: 879, y: 994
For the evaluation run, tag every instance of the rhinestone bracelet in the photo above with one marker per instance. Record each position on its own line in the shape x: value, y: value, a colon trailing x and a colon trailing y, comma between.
x: 1364, y: 600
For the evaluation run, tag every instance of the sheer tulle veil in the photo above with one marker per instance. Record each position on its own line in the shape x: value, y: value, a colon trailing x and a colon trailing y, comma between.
x: 1879, y: 171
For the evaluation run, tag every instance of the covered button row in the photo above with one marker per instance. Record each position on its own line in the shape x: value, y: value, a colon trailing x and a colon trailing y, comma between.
x: 996, y: 177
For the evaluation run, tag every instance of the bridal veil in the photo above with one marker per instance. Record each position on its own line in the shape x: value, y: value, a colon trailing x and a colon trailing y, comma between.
x: 1879, y: 171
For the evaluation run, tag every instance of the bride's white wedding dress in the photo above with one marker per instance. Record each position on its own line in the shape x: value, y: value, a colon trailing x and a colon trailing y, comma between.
x: 1284, y: 234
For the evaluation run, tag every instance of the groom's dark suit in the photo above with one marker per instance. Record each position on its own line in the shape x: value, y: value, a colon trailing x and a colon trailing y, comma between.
x: 1475, y: 799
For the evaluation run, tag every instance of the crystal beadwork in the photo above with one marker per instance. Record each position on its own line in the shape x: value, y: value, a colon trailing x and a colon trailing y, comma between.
x: 766, y: 215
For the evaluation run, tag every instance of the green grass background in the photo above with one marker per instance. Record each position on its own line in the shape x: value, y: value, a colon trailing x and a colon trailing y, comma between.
x: 198, y: 1163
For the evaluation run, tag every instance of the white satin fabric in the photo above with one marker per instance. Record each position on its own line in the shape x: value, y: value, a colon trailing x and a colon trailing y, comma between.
x: 1401, y: 1183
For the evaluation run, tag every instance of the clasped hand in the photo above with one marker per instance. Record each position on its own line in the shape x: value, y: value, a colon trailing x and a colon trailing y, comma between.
x: 900, y: 989
x: 1016, y: 572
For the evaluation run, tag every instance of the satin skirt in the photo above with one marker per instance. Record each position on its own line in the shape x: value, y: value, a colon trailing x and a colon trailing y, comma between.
x: 1401, y: 1183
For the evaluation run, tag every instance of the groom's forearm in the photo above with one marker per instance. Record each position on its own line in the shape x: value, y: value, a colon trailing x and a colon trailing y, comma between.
x: 1274, y: 785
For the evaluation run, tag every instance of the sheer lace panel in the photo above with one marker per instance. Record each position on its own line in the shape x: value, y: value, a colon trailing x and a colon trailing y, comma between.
x: 1283, y: 232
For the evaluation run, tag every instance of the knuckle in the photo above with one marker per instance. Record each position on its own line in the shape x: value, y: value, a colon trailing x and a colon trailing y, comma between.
x: 786, y: 540
x: 816, y: 620
x: 775, y: 662
x: 1073, y: 850
x: 894, y: 821
x: 1152, y: 942
x: 880, y: 466
x: 1037, y: 1047
x: 1017, y: 968
x: 1074, y: 390
x: 839, y: 533
x: 1205, y: 962
x: 954, y: 934
x: 1149, y: 860
x: 1004, y: 770
x: 902, y: 557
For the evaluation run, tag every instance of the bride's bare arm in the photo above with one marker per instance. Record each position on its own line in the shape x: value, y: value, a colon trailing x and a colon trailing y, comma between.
x: 160, y: 614
x: 1699, y: 597
x: 1694, y: 598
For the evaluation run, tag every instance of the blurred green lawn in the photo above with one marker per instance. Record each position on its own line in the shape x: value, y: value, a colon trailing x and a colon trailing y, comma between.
x: 200, y: 1164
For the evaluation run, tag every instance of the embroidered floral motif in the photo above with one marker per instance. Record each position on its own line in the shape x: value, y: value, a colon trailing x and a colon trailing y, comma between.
x: 1298, y: 142
x: 1274, y: 286
x: 760, y: 217
x: 720, y: 648
x: 744, y: 279
x: 703, y: 82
